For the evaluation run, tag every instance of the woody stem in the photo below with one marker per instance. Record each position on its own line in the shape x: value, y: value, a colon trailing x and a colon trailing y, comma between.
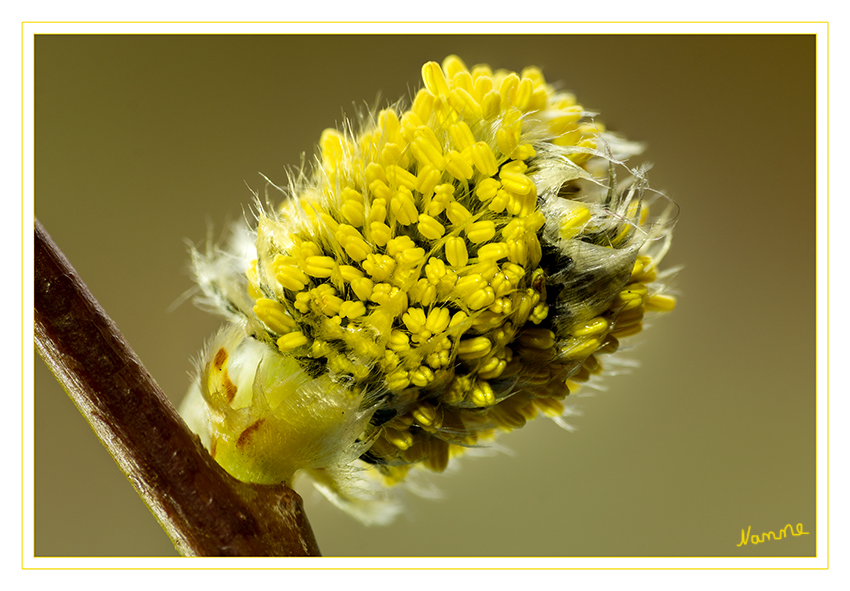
x: 203, y: 510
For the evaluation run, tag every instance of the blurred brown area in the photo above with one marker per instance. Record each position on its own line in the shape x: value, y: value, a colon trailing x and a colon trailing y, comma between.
x: 142, y: 142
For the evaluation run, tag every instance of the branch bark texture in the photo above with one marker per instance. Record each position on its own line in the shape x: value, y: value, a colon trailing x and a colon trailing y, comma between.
x: 204, y: 510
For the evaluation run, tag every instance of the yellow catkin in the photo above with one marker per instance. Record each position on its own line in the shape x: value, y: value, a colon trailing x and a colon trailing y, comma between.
x: 448, y: 271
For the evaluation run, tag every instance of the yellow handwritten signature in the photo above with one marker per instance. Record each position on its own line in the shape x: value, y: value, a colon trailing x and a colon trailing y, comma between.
x: 746, y: 538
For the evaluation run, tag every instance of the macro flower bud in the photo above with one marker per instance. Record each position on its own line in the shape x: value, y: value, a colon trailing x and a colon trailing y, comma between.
x: 444, y: 273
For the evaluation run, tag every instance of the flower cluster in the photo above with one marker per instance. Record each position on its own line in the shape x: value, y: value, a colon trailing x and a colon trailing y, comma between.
x: 444, y: 273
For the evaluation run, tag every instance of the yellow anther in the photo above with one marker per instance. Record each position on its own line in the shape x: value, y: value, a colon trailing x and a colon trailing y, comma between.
x: 462, y: 100
x: 447, y: 283
x: 501, y: 306
x: 578, y: 348
x: 375, y: 172
x: 421, y: 377
x: 453, y: 66
x: 458, y: 319
x: 378, y: 210
x: 393, y: 153
x: 456, y: 253
x: 513, y: 229
x: 435, y: 270
x: 398, y: 341
x: 507, y: 139
x: 352, y: 309
x: 411, y: 256
x: 430, y: 228
x: 292, y: 341
x: 539, y: 99
x: 362, y: 287
x: 401, y: 439
x: 397, y: 380
x: 513, y: 272
x: 423, y: 106
x: 634, y: 291
x: 566, y: 119
x: 523, y: 152
x: 437, y: 360
x: 457, y: 213
x: 380, y: 190
x: 404, y: 207
x: 647, y: 272
x: 537, y: 338
x: 381, y: 233
x: 319, y: 266
x: 445, y: 189
x: 324, y: 296
x: 474, y: 348
x: 444, y: 113
x: 461, y: 80
x: 506, y: 89
x: 438, y: 320
x: 534, y: 74
x: 352, y: 241
x: 427, y: 179
x: 468, y: 285
x: 439, y: 201
x: 484, y: 160
x: 481, y: 298
x: 400, y: 177
x: 482, y: 394
x: 637, y: 269
x: 481, y: 84
x: 274, y: 315
x: 493, y: 251
x: 426, y: 414
x: 594, y: 326
x: 434, y: 79
x: 539, y: 313
x: 491, y: 104
x: 426, y: 148
x: 494, y: 368
x: 389, y: 122
x: 333, y: 146
x: 320, y: 349
x: 518, y: 252
x: 499, y: 202
x: 352, y: 206
x: 482, y: 231
x: 534, y: 221
x: 423, y: 292
x: 461, y: 136
x: 660, y: 303
x: 513, y: 179
x: 457, y: 166
x: 487, y: 189
x: 410, y: 121
x: 486, y: 268
x: 581, y: 157
x: 399, y: 244
x: 501, y: 284
x: 573, y: 221
x: 379, y: 266
x: 414, y: 319
x: 290, y: 277
x: 521, y: 94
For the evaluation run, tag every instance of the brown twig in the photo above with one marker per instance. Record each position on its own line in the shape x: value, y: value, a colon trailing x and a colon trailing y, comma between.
x: 203, y: 510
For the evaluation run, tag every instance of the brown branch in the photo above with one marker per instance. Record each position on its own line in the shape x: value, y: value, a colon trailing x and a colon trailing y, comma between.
x: 203, y: 510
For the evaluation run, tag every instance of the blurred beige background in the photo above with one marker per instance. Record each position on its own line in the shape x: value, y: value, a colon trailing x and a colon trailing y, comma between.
x: 142, y: 140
